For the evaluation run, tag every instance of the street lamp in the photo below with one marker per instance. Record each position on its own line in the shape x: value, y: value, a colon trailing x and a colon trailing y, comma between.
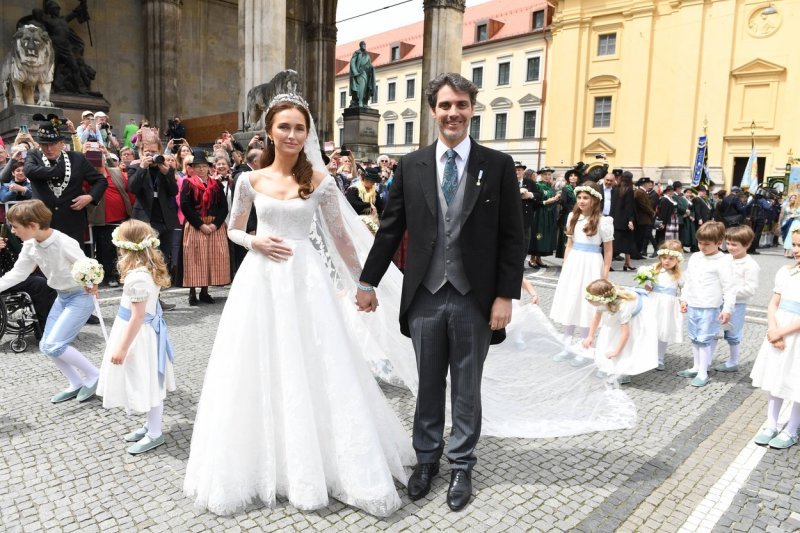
x: 769, y: 10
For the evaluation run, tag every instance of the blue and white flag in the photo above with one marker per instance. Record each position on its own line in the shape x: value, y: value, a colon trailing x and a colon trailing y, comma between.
x: 750, y: 176
x: 700, y: 172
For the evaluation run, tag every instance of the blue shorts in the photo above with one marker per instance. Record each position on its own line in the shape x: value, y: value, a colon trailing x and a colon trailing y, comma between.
x: 702, y: 325
x: 69, y: 313
x: 733, y: 334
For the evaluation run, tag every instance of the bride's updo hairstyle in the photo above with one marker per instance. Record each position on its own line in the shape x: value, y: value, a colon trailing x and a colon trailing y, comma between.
x: 302, y: 169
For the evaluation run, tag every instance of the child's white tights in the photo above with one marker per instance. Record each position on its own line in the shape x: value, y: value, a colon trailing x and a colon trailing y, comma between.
x: 153, y: 423
x: 773, y: 411
x: 71, y: 360
x: 662, y: 351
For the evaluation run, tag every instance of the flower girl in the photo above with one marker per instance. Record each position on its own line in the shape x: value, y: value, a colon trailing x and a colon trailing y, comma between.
x: 587, y: 257
x: 625, y: 345
x: 777, y: 366
x: 664, y: 290
x: 137, y: 365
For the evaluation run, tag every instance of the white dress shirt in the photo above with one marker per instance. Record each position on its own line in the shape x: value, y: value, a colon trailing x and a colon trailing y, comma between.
x: 709, y: 282
x: 54, y: 256
x: 607, y: 200
x: 462, y: 151
x: 745, y: 275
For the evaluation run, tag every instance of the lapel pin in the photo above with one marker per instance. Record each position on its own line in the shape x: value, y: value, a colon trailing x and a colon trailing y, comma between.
x: 480, y: 175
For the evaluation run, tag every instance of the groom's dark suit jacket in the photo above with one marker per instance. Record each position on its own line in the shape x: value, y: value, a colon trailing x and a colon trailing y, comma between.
x: 491, y: 234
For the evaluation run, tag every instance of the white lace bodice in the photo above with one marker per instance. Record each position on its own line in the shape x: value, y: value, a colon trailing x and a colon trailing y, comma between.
x: 294, y: 219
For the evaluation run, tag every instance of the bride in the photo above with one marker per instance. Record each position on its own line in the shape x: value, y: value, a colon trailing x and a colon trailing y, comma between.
x: 289, y: 405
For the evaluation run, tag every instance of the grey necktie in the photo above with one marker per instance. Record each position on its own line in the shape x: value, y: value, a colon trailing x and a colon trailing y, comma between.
x: 450, y: 177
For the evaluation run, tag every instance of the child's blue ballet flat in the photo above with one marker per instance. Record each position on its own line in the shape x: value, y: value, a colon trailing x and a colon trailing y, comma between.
x: 697, y: 382
x: 623, y: 380
x: 722, y: 367
x: 562, y: 356
x: 146, y: 444
x: 765, y: 435
x: 661, y: 367
x: 783, y: 440
x: 136, y: 436
x: 686, y: 373
x: 65, y: 395
x: 87, y: 392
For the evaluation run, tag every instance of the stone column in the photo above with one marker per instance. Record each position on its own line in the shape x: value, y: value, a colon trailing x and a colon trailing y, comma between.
x: 441, y: 52
x: 319, y: 77
x: 162, y: 34
x: 262, y: 45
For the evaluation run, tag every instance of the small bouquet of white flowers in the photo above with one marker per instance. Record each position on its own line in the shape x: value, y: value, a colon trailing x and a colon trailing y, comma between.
x: 370, y: 222
x: 645, y: 275
x: 89, y: 273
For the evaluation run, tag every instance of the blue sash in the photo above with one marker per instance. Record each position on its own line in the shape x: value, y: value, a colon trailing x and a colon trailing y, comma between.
x: 586, y: 247
x: 792, y: 306
x: 641, y: 294
x: 660, y: 289
x: 164, y: 345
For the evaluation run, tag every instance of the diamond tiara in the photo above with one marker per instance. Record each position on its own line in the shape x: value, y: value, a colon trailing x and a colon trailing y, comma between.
x: 289, y: 97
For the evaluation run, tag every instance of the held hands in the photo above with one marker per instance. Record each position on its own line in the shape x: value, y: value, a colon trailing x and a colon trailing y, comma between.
x: 80, y: 202
x: 684, y: 307
x: 724, y: 318
x: 774, y: 335
x: 93, y: 290
x: 366, y: 301
x: 272, y: 247
x: 501, y: 313
x: 206, y: 229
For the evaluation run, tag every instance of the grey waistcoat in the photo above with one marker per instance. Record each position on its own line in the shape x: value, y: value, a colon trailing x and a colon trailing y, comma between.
x: 446, y: 264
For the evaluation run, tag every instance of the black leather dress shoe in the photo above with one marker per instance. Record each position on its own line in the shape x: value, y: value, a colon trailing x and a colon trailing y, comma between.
x: 419, y: 484
x: 165, y: 306
x: 192, y: 300
x: 93, y: 320
x: 206, y: 298
x: 460, y: 491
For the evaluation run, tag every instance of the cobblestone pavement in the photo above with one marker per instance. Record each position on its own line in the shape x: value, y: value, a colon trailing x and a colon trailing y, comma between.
x: 689, y: 463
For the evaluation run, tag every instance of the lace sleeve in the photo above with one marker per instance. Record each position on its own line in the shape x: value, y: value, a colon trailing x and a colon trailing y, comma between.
x: 240, y: 211
x: 331, y: 211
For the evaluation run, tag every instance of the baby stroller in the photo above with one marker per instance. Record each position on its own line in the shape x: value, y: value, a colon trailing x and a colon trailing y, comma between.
x: 18, y: 318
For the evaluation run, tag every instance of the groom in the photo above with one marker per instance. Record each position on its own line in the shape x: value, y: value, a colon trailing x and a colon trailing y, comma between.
x: 460, y: 203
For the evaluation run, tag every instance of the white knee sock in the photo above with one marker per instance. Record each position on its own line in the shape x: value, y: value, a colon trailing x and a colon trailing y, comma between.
x: 75, y: 381
x: 76, y: 359
x: 154, y: 421
x: 773, y: 410
x: 733, y: 360
x: 662, y: 350
x: 794, y: 420
x: 705, y: 360
x: 568, y: 332
x: 696, y: 356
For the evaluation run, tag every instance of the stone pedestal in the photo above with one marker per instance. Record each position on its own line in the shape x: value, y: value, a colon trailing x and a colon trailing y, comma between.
x: 75, y: 104
x: 361, y: 132
x: 11, y: 118
x: 441, y: 52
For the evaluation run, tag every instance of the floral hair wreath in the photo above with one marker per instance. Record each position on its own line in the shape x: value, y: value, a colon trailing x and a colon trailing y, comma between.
x: 610, y: 297
x: 150, y: 241
x: 588, y: 190
x: 671, y: 253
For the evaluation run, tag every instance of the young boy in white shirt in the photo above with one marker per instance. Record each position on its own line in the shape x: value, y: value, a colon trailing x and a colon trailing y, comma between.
x: 54, y: 253
x: 745, y: 274
x: 708, y: 285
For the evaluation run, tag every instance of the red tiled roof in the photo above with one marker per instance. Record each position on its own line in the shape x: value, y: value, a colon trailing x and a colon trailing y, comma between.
x: 515, y: 15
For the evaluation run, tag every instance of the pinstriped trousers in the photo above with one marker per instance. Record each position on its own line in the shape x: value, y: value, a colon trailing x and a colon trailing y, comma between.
x: 448, y: 331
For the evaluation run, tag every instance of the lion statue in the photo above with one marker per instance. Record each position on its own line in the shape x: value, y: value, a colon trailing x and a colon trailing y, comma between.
x: 28, y: 66
x: 258, y: 98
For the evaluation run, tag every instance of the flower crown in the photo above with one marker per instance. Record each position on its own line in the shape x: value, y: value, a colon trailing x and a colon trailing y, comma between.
x: 588, y: 190
x: 289, y: 97
x: 150, y: 241
x: 610, y: 297
x: 671, y: 253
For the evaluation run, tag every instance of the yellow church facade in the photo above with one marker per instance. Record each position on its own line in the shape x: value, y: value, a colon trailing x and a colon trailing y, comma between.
x: 637, y: 81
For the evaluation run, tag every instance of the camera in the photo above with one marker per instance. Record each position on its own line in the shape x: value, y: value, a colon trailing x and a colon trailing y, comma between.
x: 158, y: 159
x: 106, y: 126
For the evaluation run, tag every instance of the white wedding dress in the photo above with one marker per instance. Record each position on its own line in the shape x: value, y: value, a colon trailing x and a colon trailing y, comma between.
x: 289, y: 406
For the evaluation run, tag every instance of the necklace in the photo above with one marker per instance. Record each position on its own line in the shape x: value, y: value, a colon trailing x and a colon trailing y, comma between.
x: 57, y: 185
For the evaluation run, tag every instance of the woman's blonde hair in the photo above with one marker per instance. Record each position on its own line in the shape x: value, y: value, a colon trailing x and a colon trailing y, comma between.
x: 611, y: 295
x: 674, y: 245
x: 151, y: 258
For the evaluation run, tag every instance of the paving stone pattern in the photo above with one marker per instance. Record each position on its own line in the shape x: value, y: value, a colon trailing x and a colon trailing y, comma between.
x: 64, y: 467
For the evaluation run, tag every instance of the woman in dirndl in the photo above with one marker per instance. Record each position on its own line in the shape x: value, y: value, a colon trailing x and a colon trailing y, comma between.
x: 205, y: 237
